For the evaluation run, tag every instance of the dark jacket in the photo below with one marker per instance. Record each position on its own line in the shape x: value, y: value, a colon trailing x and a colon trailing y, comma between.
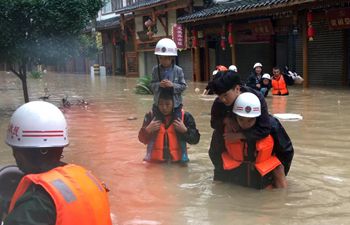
x: 283, y: 147
x: 192, y: 135
x: 260, y: 130
x: 34, y: 207
x: 253, y: 80
x: 219, y: 111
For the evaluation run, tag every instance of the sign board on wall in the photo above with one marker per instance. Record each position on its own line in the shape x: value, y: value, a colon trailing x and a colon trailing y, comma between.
x: 131, y: 62
x: 179, y: 35
x: 339, y: 18
x: 261, y: 27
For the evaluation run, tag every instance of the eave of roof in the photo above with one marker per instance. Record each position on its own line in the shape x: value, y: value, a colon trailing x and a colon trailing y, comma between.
x: 108, y: 23
x: 238, y: 6
x: 142, y: 5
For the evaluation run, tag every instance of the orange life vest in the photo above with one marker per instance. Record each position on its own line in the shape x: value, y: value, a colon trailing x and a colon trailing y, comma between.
x: 236, y: 154
x: 279, y: 86
x: 173, y: 143
x: 78, y: 196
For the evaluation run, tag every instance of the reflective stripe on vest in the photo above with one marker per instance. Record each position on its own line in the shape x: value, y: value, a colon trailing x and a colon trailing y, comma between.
x: 174, y: 146
x: 279, y: 86
x: 265, y: 162
x: 78, y: 196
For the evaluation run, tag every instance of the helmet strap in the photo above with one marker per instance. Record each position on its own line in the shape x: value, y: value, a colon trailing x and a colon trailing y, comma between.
x: 43, y: 151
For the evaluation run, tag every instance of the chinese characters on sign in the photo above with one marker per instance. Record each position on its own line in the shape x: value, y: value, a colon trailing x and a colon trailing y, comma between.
x: 339, y: 18
x: 179, y: 35
x: 261, y: 27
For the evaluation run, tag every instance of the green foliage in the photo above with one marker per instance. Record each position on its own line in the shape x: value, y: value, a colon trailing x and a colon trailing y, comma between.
x: 88, y: 46
x: 36, y: 74
x: 143, y: 86
x: 43, y: 31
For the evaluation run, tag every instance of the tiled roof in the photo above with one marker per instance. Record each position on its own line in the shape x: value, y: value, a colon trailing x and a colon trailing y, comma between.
x: 108, y: 23
x: 233, y: 6
x: 140, y: 4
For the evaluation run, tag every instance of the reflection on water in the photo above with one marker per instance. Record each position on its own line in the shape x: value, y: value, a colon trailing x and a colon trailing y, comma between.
x: 105, y: 141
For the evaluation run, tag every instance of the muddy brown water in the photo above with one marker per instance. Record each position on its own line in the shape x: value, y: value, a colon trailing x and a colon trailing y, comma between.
x: 103, y: 138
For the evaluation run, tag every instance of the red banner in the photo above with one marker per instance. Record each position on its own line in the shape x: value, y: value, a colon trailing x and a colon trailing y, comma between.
x: 179, y: 35
x: 339, y: 18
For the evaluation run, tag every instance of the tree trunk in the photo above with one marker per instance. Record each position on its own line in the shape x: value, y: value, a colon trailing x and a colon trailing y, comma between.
x: 23, y: 74
x: 25, y: 88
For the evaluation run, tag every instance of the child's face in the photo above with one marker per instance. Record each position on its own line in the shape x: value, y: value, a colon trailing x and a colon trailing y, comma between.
x: 229, y: 96
x: 266, y: 81
x: 165, y: 61
x: 165, y: 106
x: 245, y: 122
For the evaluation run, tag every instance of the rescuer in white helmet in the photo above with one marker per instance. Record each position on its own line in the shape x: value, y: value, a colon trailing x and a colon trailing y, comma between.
x: 50, y: 190
x: 264, y: 167
x: 265, y: 84
x: 254, y: 78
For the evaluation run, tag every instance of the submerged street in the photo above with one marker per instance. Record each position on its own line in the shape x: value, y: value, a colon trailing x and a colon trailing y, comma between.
x: 103, y: 131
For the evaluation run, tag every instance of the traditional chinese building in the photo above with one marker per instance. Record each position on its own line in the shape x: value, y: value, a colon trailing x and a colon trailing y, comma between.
x: 310, y: 36
x: 147, y: 22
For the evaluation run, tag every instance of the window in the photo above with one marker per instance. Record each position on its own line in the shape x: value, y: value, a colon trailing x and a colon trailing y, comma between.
x: 107, y: 8
x: 119, y: 4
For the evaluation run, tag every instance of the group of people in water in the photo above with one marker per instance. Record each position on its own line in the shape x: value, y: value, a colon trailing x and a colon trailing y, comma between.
x: 249, y: 147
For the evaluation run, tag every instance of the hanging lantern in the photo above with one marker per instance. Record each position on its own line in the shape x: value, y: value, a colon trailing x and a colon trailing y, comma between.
x: 309, y: 17
x: 310, y: 29
x: 223, y: 39
x: 310, y: 33
x: 194, y: 38
x: 114, y: 39
x: 125, y: 35
x: 230, y: 34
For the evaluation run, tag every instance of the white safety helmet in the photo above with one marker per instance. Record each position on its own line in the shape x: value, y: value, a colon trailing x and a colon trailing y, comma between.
x: 166, y: 47
x: 37, y: 124
x: 247, y: 105
x: 257, y: 65
x: 266, y: 76
x: 233, y: 68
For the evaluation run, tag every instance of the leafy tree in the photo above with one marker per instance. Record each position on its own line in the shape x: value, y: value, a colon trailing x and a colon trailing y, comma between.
x: 42, y: 32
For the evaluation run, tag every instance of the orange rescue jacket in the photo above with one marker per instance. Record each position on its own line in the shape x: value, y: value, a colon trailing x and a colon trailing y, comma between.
x: 236, y: 152
x: 173, y: 143
x: 78, y: 196
x: 279, y: 86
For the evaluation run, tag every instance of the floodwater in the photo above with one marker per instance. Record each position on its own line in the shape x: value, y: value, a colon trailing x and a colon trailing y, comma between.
x: 103, y: 138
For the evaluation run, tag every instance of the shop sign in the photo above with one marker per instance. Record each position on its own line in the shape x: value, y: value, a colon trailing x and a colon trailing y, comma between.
x: 339, y: 18
x: 179, y: 35
x: 261, y: 27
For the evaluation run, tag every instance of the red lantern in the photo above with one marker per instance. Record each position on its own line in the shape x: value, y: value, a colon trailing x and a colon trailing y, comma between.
x: 125, y: 35
x: 223, y: 41
x: 230, y: 35
x: 114, y: 39
x: 310, y: 29
x: 310, y: 33
x: 309, y: 17
x: 194, y: 38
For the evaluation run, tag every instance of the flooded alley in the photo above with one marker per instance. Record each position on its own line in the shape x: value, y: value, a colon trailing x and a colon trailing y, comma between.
x: 104, y: 121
